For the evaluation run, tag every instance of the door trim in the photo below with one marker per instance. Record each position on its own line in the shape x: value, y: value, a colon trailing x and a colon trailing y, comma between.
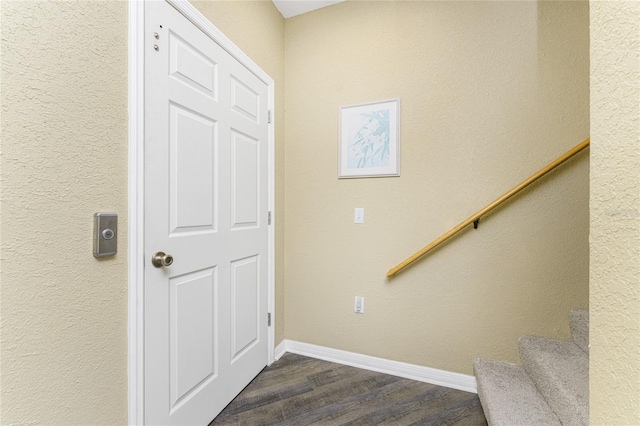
x: 135, y: 256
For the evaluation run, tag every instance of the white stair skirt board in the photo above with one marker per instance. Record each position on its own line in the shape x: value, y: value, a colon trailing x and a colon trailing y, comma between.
x: 419, y: 373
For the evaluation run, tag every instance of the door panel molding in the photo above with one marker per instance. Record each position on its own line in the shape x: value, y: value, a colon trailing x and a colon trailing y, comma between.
x: 136, y: 190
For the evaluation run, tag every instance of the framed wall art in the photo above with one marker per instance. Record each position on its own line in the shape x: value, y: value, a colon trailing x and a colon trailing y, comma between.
x: 369, y: 142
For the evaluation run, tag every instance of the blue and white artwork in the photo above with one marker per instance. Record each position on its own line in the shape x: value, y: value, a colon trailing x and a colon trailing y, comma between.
x: 369, y: 145
x: 368, y: 139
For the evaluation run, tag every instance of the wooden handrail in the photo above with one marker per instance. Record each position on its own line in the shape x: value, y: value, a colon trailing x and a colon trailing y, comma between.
x: 504, y: 197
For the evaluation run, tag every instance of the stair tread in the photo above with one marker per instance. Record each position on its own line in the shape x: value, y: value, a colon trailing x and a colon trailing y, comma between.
x: 560, y: 371
x: 579, y: 322
x: 509, y: 397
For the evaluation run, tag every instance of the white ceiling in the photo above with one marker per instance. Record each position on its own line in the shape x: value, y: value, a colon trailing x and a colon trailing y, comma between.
x: 289, y: 8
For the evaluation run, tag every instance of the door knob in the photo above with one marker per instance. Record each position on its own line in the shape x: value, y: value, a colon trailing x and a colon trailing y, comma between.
x: 161, y: 259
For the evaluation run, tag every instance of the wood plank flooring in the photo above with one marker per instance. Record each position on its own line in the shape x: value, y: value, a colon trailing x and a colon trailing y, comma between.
x: 297, y: 390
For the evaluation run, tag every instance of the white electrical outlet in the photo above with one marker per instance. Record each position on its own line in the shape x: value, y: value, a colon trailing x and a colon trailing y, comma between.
x: 358, y: 307
x: 358, y: 216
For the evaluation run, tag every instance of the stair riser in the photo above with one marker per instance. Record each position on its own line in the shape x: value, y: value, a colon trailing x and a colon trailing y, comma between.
x: 560, y: 371
x: 579, y: 322
x: 509, y: 397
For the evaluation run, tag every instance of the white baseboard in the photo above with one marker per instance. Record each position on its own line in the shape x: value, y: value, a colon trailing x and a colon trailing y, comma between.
x: 401, y: 369
x: 281, y: 349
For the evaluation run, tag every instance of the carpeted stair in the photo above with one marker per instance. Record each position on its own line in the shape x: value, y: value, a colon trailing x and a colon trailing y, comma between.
x: 551, y: 387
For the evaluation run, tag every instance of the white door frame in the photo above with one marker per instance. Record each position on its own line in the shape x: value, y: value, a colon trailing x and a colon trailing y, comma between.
x: 136, y: 258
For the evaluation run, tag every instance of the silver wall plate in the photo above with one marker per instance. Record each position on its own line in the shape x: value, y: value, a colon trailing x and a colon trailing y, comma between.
x: 105, y: 234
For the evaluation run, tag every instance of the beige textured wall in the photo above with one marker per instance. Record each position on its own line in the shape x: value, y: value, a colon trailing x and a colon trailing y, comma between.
x: 615, y: 214
x: 257, y: 28
x: 491, y: 91
x: 63, y: 314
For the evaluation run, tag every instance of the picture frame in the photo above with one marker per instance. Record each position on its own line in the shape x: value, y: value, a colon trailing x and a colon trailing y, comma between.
x: 369, y: 140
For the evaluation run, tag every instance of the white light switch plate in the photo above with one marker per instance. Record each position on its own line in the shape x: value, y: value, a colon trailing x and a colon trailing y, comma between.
x: 358, y: 215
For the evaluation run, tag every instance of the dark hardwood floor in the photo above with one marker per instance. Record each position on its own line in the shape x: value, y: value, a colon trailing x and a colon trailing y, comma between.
x: 297, y: 390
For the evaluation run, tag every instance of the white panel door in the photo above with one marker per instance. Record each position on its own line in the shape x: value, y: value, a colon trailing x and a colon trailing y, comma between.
x: 206, y: 205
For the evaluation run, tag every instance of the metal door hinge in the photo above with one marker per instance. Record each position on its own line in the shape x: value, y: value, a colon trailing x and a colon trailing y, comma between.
x: 269, y: 319
x: 269, y: 116
x: 269, y: 218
